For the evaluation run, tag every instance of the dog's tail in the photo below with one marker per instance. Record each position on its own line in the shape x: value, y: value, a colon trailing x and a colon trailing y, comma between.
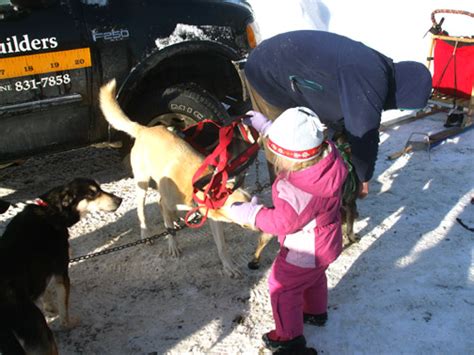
x: 113, y: 113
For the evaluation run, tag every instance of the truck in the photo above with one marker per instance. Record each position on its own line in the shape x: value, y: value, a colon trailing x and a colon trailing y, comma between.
x: 176, y: 62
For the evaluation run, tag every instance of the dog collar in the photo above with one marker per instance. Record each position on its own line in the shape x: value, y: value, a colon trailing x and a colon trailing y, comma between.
x: 40, y: 202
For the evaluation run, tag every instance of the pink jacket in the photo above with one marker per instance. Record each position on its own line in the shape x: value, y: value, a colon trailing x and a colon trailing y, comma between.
x: 306, y: 213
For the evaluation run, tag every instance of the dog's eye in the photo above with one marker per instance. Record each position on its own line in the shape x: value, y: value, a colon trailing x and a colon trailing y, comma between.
x: 93, y: 192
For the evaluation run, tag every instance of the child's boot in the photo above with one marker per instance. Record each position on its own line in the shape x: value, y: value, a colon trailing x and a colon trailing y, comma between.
x: 295, y: 346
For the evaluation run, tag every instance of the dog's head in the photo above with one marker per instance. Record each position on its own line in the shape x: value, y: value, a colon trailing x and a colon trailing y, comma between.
x: 342, y: 141
x: 79, y: 197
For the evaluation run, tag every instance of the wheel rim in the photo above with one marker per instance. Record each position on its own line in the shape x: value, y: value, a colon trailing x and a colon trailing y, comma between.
x: 173, y: 119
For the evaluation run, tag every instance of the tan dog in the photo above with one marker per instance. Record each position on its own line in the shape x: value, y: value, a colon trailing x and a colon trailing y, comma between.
x: 162, y: 156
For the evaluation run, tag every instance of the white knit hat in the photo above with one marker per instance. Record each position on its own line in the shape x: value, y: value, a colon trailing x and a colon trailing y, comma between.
x: 296, y: 134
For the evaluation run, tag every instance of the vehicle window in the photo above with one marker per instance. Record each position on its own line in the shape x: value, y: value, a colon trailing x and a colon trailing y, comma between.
x: 95, y: 2
x: 5, y: 7
x: 32, y: 4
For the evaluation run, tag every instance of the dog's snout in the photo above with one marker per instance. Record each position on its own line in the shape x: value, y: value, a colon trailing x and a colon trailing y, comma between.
x: 117, y: 200
x: 105, y: 201
x: 113, y: 202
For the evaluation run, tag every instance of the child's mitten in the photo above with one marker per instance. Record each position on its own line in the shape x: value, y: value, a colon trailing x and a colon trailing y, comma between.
x: 244, y: 213
x: 258, y: 121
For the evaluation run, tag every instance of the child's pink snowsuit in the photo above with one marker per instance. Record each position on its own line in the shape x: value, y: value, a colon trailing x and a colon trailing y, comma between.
x: 306, y: 218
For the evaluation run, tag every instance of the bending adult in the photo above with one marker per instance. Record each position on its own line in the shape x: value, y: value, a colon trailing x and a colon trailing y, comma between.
x: 345, y: 82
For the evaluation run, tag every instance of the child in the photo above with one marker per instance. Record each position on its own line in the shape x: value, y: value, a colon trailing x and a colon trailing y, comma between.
x: 306, y: 218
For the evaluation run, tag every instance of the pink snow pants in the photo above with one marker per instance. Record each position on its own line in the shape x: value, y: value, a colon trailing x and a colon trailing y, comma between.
x: 294, y: 290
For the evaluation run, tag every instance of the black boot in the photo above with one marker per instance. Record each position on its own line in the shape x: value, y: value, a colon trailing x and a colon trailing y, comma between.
x: 295, y: 346
x: 318, y: 320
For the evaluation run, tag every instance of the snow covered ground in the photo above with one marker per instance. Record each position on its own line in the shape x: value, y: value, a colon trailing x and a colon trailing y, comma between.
x: 406, y: 288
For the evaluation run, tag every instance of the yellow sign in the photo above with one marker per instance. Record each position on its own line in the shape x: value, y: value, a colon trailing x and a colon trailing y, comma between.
x: 25, y: 65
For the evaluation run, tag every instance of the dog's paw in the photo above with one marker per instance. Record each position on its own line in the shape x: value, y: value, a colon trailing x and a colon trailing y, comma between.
x: 174, y: 252
x: 263, y: 350
x: 232, y: 271
x: 353, y: 238
x: 145, y: 233
x: 69, y: 323
x: 173, y: 248
x: 348, y: 240
x: 254, y: 264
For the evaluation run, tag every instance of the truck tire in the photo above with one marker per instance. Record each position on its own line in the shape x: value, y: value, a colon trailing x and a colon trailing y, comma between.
x: 186, y: 104
x: 178, y: 107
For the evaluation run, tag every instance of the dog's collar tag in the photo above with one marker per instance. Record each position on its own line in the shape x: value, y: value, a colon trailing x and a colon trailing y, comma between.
x: 40, y: 202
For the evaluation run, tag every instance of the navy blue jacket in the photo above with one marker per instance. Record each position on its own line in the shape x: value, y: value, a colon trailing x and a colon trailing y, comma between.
x: 345, y: 82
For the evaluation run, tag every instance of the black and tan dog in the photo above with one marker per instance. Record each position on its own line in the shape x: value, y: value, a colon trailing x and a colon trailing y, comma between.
x: 350, y: 192
x: 163, y: 157
x: 34, y: 252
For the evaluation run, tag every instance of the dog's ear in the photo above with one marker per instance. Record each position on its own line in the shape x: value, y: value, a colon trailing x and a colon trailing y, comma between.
x: 61, y: 197
x: 67, y: 199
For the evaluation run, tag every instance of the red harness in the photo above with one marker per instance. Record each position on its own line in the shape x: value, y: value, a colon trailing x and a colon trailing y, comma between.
x: 213, y: 187
x: 40, y: 202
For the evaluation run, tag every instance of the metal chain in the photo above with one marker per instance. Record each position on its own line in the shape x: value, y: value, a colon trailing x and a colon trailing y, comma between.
x: 257, y: 174
x: 195, y: 220
x: 258, y: 184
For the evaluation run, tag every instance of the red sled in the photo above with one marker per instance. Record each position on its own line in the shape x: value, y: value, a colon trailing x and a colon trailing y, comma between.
x: 453, y: 65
